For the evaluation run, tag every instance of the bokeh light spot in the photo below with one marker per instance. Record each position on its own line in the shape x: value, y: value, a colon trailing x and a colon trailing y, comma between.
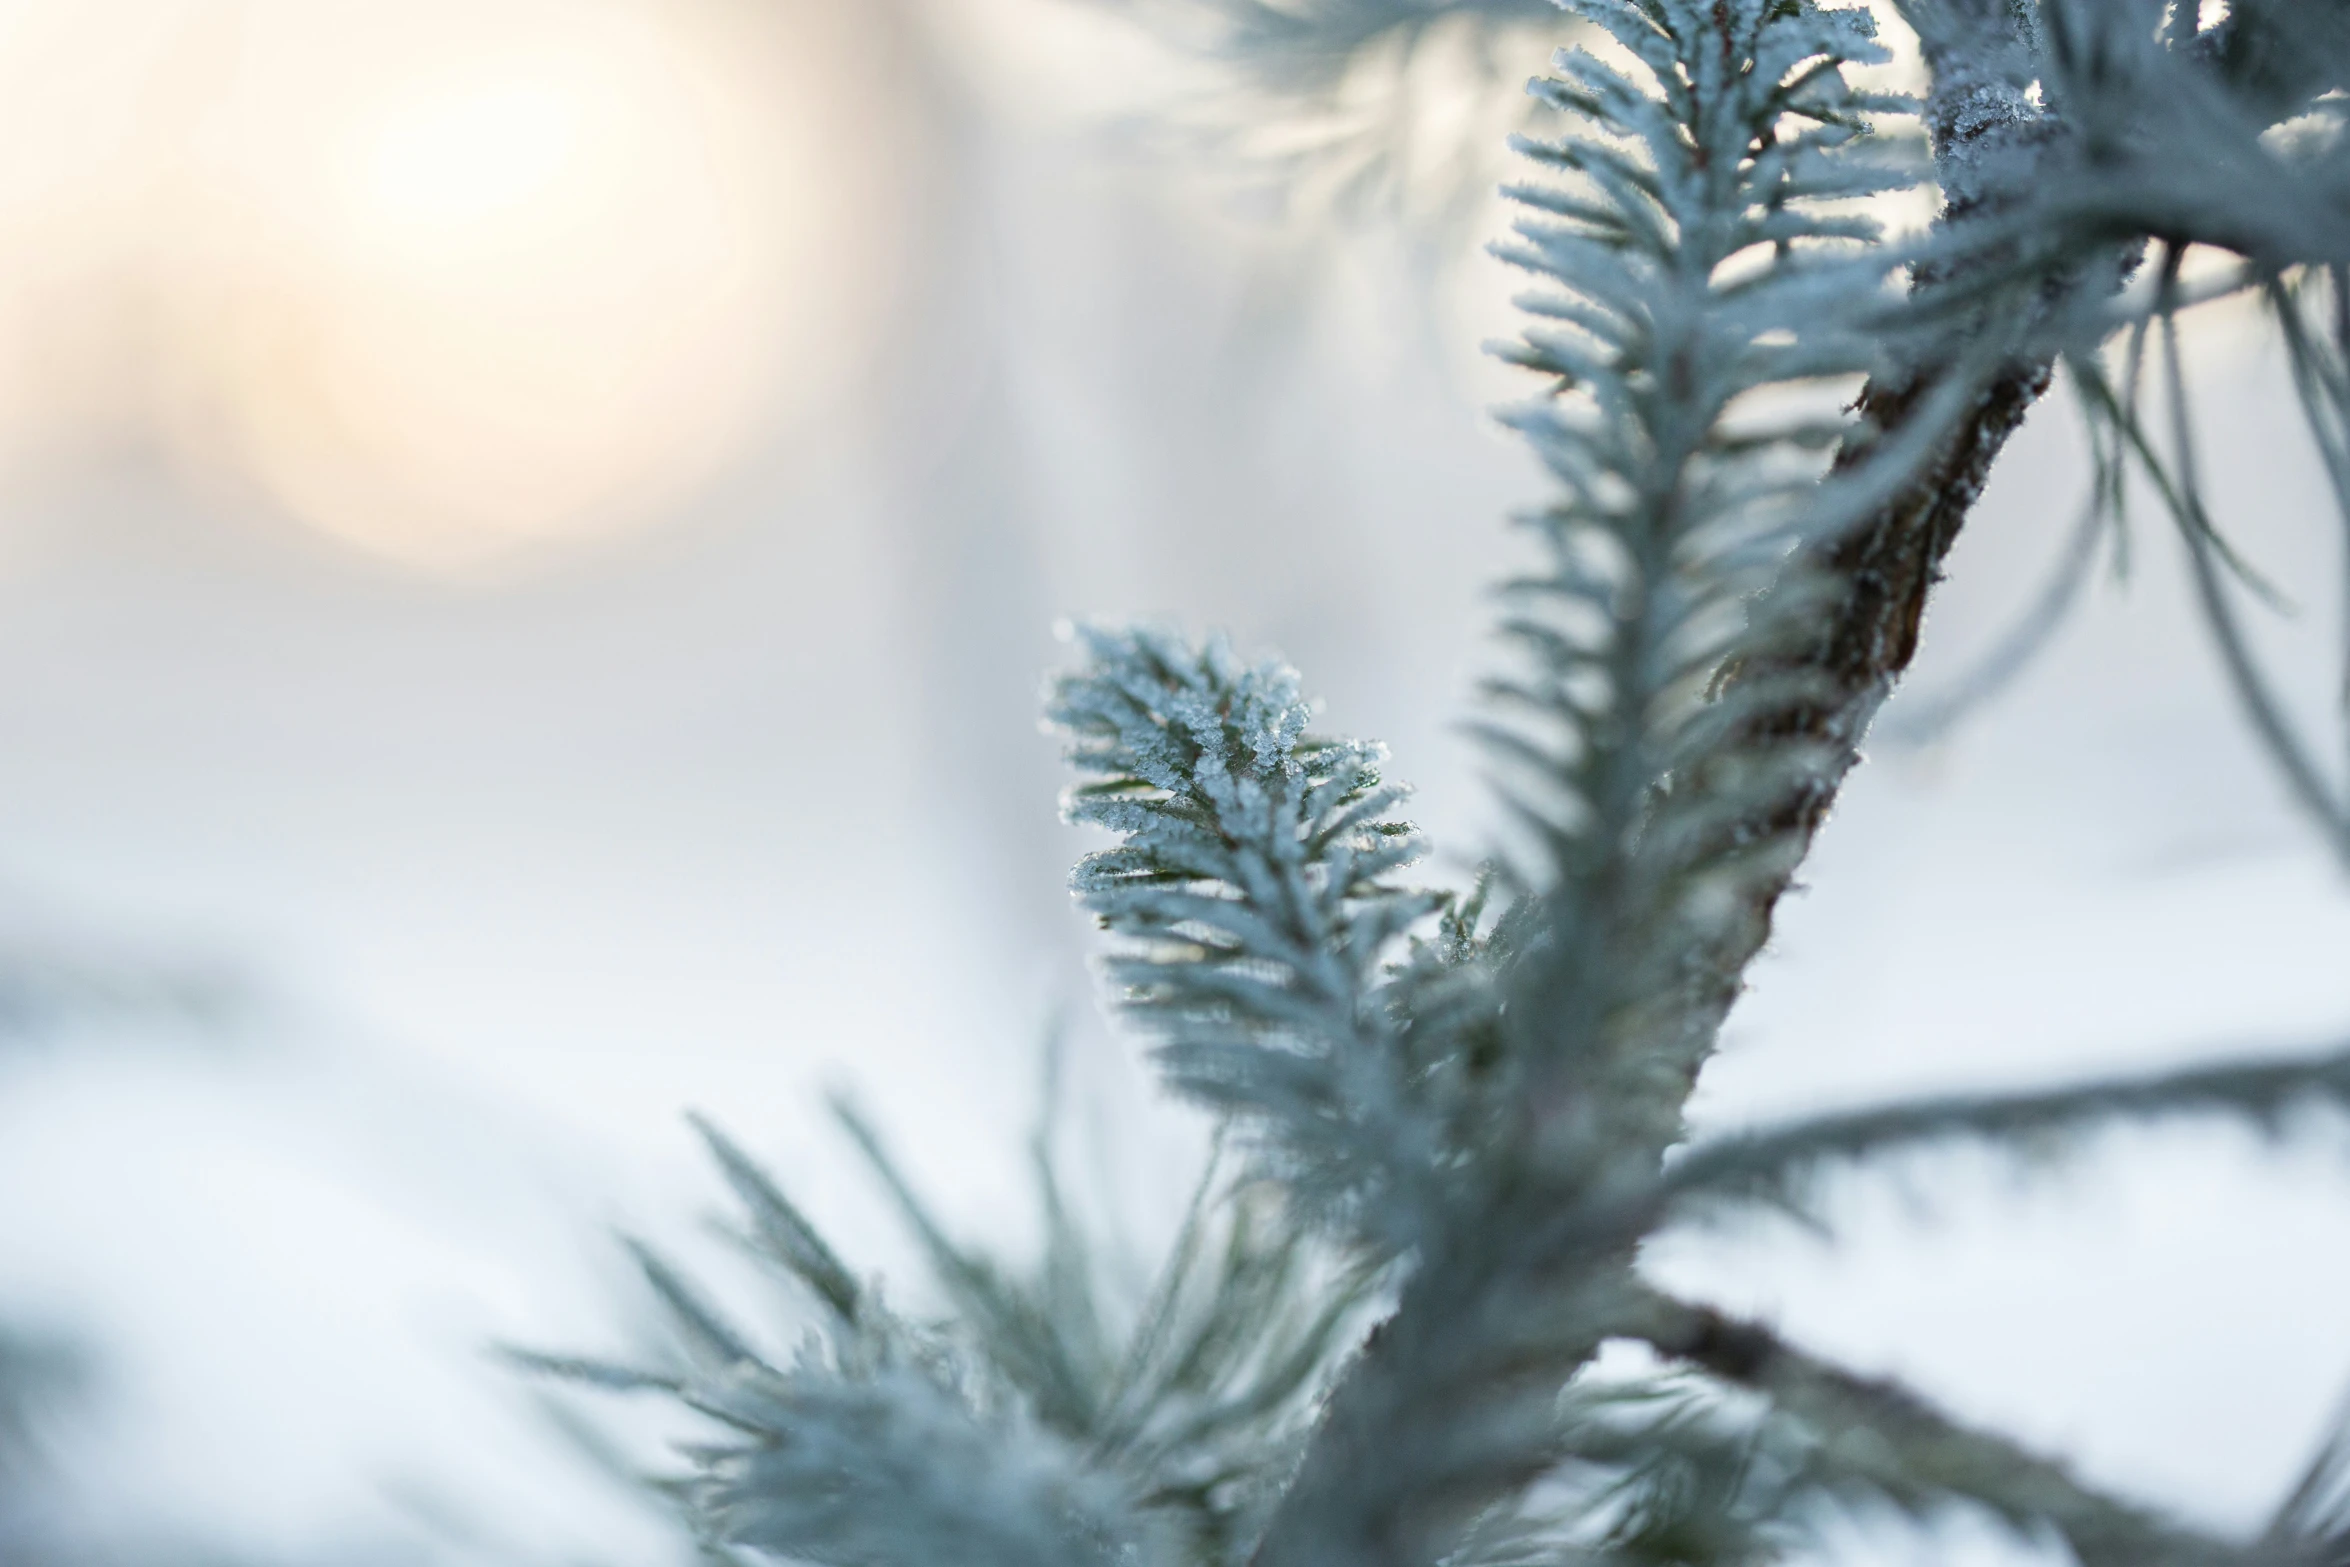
x: 452, y: 280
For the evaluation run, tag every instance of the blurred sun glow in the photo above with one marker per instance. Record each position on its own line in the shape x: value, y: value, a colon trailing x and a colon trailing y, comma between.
x: 452, y: 280
x: 449, y: 164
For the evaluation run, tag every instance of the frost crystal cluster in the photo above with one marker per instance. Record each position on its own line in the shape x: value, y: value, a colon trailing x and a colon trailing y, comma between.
x: 1451, y: 1119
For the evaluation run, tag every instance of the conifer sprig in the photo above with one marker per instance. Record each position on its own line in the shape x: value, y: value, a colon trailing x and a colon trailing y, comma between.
x: 1703, y: 257
x: 1045, y: 1420
x: 1871, y: 1439
x: 1307, y: 46
x: 1254, y: 891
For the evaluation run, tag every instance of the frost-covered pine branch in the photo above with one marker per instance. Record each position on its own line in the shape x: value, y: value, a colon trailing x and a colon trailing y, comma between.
x: 1883, y: 1442
x: 1393, y: 108
x: 1306, y: 46
x: 1459, y: 1117
x: 1256, y: 890
x: 1050, y: 1420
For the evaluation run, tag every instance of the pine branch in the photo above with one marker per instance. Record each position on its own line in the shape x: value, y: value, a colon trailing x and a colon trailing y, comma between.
x: 1305, y: 47
x: 2170, y: 131
x: 781, y: 1232
x: 1663, y: 1470
x: 1771, y: 1166
x: 1254, y: 890
x: 1222, y: 1374
x: 1888, y: 1438
x: 1464, y: 1404
x: 1665, y: 559
x: 1054, y: 1436
x: 2210, y: 560
x: 1881, y: 571
x: 1452, y: 1406
x: 1766, y: 1164
x: 882, y: 1443
x: 1401, y: 1417
x: 1053, y: 1358
x: 1716, y: 624
x: 2063, y: 143
x: 891, y: 1468
x: 1476, y: 1114
x: 2049, y: 193
x: 2313, y: 1521
x: 1669, y: 556
x: 1395, y: 110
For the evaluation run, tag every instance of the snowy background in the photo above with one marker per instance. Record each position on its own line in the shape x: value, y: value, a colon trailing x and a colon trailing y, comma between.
x: 529, y: 537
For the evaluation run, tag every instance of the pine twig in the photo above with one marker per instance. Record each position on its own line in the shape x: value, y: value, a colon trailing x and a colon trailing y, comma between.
x: 1918, y: 1453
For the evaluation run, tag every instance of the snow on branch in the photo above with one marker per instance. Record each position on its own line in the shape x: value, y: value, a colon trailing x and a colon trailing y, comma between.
x: 1255, y: 891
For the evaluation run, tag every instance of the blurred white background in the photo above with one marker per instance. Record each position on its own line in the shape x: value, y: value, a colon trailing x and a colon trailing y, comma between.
x: 529, y: 536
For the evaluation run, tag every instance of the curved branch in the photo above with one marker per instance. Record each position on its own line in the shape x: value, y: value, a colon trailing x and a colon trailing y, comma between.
x: 1895, y: 1441
x: 1764, y: 1164
x: 1758, y: 1162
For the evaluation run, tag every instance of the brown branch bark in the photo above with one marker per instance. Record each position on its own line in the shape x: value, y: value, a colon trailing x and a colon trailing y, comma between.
x: 1887, y: 568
